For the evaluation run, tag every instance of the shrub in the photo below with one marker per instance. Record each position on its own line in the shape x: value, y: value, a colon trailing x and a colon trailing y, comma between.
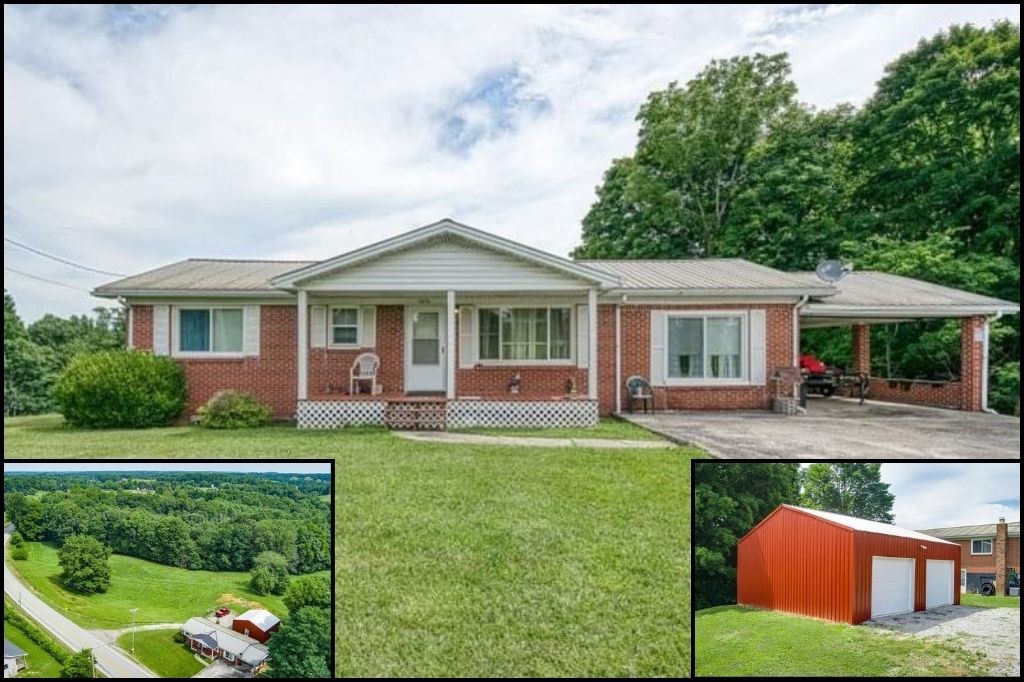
x: 48, y: 645
x: 179, y: 637
x: 19, y: 553
x: 233, y: 410
x: 1004, y: 394
x: 16, y: 539
x: 118, y: 388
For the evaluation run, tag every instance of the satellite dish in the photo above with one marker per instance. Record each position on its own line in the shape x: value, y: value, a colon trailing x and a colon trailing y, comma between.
x: 831, y: 270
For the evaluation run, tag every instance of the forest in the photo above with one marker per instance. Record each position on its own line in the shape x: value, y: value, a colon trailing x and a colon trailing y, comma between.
x: 193, y: 520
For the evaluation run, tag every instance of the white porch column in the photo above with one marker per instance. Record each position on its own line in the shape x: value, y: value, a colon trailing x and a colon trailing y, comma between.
x: 450, y: 345
x: 592, y: 333
x: 303, y: 335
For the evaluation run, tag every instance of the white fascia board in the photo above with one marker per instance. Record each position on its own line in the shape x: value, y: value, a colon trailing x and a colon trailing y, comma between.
x: 590, y: 274
x: 190, y: 293
x: 754, y: 293
x: 904, y: 311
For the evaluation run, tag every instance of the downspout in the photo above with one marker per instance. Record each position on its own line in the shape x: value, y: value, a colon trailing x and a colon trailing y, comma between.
x: 618, y: 358
x: 796, y: 328
x: 984, y: 364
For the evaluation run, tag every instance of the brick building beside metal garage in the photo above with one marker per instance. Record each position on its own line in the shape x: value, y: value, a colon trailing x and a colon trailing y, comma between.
x: 987, y: 552
x: 841, y: 568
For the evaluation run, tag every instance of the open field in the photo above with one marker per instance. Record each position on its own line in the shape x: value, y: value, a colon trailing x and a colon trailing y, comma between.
x: 157, y: 650
x: 749, y: 642
x: 968, y: 599
x: 163, y: 594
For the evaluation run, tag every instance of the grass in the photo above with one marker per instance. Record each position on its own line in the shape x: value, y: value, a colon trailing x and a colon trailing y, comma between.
x: 749, y: 642
x: 471, y: 559
x: 40, y: 662
x: 609, y: 428
x: 969, y: 599
x: 157, y: 650
x: 163, y: 594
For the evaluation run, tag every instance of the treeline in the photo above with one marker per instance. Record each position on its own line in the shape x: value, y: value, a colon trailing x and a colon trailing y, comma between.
x: 34, y: 354
x: 217, y: 522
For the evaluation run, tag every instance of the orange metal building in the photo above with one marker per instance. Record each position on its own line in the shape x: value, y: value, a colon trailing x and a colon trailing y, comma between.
x: 842, y: 568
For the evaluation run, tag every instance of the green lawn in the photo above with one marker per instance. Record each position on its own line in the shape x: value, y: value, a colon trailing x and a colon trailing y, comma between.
x: 968, y: 599
x: 610, y: 427
x: 749, y: 642
x: 163, y: 594
x: 157, y: 650
x: 40, y: 663
x: 469, y: 560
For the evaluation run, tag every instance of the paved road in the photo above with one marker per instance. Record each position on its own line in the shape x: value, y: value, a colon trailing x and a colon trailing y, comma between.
x: 841, y: 429
x: 108, y: 660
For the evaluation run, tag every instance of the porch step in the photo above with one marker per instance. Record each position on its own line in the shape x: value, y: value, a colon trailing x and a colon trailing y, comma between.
x: 416, y: 414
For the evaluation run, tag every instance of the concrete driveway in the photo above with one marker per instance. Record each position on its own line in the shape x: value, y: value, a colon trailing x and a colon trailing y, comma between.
x: 838, y: 428
x: 995, y: 631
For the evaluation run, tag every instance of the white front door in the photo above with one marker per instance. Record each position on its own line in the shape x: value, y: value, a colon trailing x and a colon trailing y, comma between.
x: 425, y: 348
x: 892, y: 586
x: 938, y: 585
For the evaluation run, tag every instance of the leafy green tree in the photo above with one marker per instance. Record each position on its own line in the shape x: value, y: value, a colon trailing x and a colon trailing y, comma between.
x: 277, y: 536
x: 79, y: 665
x: 675, y: 195
x: 269, y: 574
x: 729, y: 500
x: 310, y: 590
x: 850, y: 488
x: 313, y: 547
x: 85, y: 565
x: 302, y: 647
x: 26, y: 513
x: 29, y: 369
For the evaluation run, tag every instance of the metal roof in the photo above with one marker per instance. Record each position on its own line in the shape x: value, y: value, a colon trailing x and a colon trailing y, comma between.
x: 708, y: 275
x: 987, y: 530
x: 881, y: 294
x: 865, y: 526
x: 12, y: 650
x: 204, y: 276
x: 261, y: 618
x: 235, y: 643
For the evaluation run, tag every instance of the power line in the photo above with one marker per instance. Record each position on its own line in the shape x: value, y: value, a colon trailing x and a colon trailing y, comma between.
x: 61, y: 260
x: 44, y: 279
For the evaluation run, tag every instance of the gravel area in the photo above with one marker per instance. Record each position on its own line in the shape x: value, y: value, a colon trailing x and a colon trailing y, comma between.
x: 993, y: 631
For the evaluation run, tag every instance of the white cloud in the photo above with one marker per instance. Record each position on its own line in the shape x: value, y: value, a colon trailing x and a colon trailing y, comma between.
x: 137, y: 137
x: 941, y: 494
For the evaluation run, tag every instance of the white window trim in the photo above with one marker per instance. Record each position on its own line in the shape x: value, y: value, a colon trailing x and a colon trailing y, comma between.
x: 743, y: 379
x: 558, y: 362
x: 228, y: 656
x: 330, y: 326
x: 200, y: 354
x: 991, y: 546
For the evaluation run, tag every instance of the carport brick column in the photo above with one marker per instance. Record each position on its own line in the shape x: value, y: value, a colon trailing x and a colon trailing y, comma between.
x: 971, y: 364
x: 862, y: 349
x: 1000, y: 551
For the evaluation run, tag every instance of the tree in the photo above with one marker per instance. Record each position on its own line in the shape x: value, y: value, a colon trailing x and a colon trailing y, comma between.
x: 729, y: 499
x: 26, y: 513
x: 79, y: 665
x: 29, y: 369
x: 850, y: 488
x: 84, y: 561
x: 310, y: 590
x: 269, y: 574
x: 675, y: 195
x: 313, y: 546
x: 302, y: 647
x: 19, y: 553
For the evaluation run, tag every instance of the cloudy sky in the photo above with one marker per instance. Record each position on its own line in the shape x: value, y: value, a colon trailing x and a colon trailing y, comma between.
x: 935, y: 495
x: 135, y: 136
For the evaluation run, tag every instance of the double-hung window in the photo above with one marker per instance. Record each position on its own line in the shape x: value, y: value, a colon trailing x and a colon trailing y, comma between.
x: 344, y: 326
x: 526, y: 334
x: 210, y: 330
x: 981, y: 546
x: 707, y: 347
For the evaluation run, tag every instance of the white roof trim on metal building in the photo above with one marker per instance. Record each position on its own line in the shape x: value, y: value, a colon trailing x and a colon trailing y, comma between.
x: 865, y: 526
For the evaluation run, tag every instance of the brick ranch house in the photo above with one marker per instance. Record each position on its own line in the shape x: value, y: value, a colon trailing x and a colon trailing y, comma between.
x: 985, y: 550
x: 476, y: 329
x: 220, y: 642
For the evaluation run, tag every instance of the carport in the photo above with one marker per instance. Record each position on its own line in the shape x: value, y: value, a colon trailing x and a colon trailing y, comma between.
x: 871, y: 298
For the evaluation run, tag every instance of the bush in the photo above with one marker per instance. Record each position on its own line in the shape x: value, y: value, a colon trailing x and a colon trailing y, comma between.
x: 233, y: 410
x: 16, y: 539
x: 19, y: 553
x: 48, y: 645
x: 118, y: 388
x: 179, y: 637
x: 1004, y: 393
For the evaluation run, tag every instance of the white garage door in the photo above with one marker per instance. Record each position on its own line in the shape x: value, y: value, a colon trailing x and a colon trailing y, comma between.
x: 939, y: 585
x: 892, y: 586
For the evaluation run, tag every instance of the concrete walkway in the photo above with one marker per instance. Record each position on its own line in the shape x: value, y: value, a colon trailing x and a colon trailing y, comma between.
x: 532, y: 441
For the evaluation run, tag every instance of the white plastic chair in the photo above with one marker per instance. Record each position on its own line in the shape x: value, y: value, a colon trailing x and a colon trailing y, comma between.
x: 364, y: 369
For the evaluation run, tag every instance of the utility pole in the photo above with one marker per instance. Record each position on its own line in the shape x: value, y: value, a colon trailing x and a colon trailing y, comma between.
x: 133, y: 629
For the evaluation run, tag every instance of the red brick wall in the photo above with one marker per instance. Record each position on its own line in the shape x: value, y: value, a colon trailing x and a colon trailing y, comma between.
x: 329, y: 367
x: 861, y: 348
x: 636, y: 352
x: 971, y: 363
x: 142, y: 327
x: 986, y: 563
x: 936, y: 394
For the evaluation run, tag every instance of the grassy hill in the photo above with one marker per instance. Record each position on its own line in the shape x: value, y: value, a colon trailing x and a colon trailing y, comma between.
x: 163, y: 594
x: 157, y: 650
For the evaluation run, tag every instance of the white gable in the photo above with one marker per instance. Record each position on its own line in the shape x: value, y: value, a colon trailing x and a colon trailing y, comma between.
x: 446, y: 263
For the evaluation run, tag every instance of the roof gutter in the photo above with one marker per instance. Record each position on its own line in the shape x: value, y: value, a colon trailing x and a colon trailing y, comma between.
x: 984, y: 363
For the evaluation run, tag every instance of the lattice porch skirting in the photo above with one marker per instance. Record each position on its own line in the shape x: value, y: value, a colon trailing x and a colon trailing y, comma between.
x: 333, y: 414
